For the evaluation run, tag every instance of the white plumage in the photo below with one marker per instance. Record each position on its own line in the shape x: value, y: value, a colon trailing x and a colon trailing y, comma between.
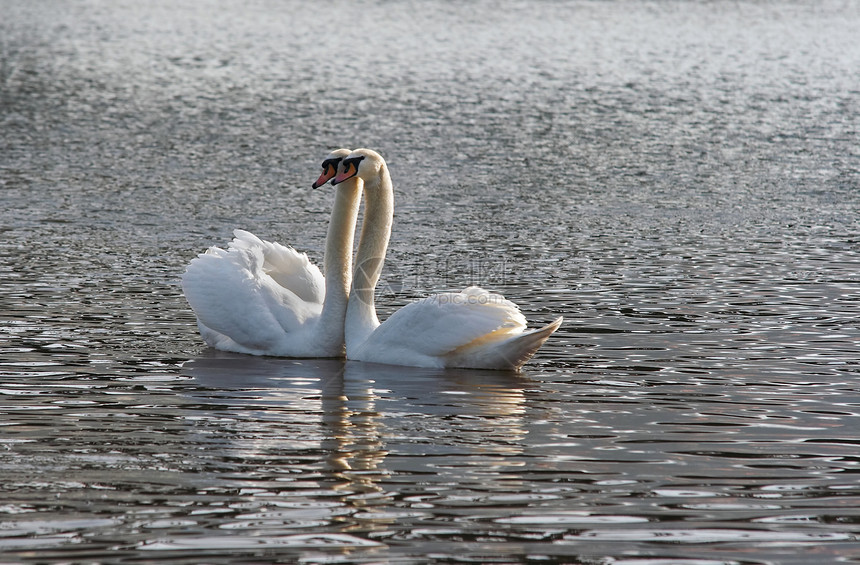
x: 470, y: 329
x: 265, y: 298
x: 254, y: 297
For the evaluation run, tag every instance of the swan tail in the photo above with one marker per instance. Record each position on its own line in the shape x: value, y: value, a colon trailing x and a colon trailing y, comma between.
x: 525, y: 346
x: 505, y: 354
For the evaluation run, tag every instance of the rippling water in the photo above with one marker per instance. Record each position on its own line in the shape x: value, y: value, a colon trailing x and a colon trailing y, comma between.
x: 680, y: 180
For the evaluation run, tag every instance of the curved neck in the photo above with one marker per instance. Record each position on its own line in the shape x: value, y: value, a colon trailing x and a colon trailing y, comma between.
x: 338, y: 259
x: 361, y: 317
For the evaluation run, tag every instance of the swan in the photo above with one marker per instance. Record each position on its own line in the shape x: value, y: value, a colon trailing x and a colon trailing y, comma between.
x: 472, y: 329
x: 263, y: 298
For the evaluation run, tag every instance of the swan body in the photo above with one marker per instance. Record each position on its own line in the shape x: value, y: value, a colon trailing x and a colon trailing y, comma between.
x: 471, y: 329
x: 264, y: 298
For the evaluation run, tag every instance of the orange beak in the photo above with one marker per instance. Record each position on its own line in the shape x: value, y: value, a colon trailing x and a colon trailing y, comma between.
x: 347, y: 173
x: 327, y: 174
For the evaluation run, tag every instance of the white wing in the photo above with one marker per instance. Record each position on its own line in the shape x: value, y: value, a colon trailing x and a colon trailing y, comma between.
x: 289, y: 268
x: 241, y: 295
x: 428, y: 331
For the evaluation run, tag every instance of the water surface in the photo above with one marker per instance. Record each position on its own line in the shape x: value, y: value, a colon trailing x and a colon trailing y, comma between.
x: 679, y: 180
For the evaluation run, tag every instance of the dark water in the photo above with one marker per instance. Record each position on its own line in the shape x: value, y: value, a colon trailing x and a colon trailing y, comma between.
x: 680, y: 180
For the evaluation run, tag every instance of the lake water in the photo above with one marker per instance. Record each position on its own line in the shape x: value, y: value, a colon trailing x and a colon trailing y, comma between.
x: 680, y: 180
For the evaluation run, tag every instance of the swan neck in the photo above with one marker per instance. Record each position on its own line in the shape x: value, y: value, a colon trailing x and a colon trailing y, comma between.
x: 337, y: 263
x: 361, y: 317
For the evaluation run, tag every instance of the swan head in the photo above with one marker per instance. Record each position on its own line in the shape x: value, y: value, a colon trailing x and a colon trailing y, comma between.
x: 365, y: 164
x: 330, y: 165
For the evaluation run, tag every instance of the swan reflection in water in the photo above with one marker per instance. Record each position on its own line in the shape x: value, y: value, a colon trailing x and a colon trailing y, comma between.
x: 348, y: 417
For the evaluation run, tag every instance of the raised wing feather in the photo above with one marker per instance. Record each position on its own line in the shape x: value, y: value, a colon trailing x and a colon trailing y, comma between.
x: 233, y: 295
x: 287, y: 267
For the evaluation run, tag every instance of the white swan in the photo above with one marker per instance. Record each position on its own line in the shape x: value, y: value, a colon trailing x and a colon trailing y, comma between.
x: 470, y: 329
x: 264, y: 298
